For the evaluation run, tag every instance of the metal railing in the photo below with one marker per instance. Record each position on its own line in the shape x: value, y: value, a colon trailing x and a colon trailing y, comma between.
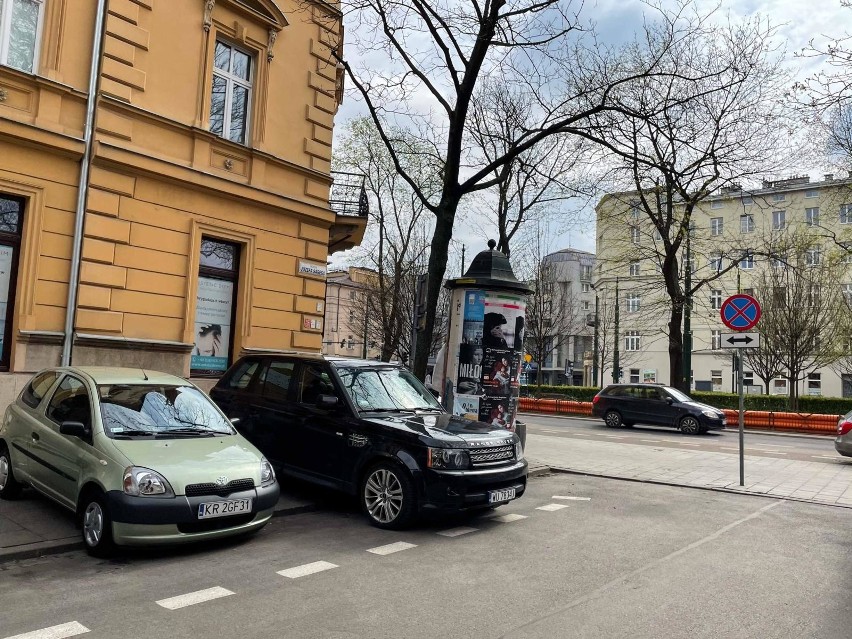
x: 348, y: 195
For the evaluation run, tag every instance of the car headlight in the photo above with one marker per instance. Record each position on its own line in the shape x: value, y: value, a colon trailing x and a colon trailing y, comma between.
x: 519, y: 450
x: 710, y: 413
x: 267, y: 473
x: 144, y: 482
x: 447, y: 458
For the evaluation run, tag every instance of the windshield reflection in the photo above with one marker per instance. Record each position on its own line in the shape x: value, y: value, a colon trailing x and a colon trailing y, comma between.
x: 386, y: 389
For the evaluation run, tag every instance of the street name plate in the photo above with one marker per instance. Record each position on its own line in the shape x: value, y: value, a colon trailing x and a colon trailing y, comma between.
x: 740, y: 340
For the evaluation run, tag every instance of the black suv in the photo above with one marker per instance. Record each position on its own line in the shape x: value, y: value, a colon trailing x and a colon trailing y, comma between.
x: 373, y: 430
x: 628, y: 404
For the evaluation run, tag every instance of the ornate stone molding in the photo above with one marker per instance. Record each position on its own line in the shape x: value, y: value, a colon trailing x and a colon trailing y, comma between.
x: 208, y: 14
x: 273, y: 36
x: 3, y: 94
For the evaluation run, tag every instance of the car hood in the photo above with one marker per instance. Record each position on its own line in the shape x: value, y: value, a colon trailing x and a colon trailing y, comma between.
x: 443, y: 429
x: 194, y: 461
x: 700, y: 406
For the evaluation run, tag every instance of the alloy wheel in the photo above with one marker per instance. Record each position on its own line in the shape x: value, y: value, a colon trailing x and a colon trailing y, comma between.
x: 613, y: 419
x: 93, y: 524
x: 383, y: 495
x: 690, y: 426
x: 4, y: 471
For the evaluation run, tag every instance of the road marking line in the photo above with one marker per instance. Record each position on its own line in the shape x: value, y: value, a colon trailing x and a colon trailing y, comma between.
x: 391, y: 548
x: 826, y: 457
x: 548, y: 430
x: 456, y: 532
x: 507, y: 519
x: 71, y: 629
x: 762, y: 450
x: 192, y: 598
x: 615, y: 436
x: 307, y: 569
x: 651, y: 441
x: 571, y: 498
x: 581, y: 434
x: 552, y: 507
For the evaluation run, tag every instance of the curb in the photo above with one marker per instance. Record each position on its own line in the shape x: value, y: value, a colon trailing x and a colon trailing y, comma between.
x: 718, y: 489
x: 68, y: 544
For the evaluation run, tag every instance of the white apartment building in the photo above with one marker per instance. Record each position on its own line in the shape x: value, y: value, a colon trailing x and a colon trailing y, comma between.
x: 570, y: 272
x: 733, y: 224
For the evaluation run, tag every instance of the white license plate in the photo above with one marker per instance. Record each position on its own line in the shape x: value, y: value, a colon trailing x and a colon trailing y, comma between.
x: 497, y: 496
x: 211, y: 509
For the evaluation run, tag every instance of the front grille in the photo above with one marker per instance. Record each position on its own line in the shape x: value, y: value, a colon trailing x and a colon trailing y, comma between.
x: 209, y: 488
x: 492, y: 455
x: 220, y: 523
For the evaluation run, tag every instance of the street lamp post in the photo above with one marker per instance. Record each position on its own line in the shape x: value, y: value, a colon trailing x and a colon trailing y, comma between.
x: 596, y: 346
x: 615, y: 352
x: 687, y: 313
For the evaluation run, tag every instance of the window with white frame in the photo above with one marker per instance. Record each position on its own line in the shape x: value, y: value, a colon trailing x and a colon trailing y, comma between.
x: 716, y: 204
x: 716, y: 379
x: 812, y: 216
x: 748, y: 291
x: 20, y: 33
x: 586, y: 272
x: 747, y: 200
x: 716, y: 262
x: 585, y: 287
x: 778, y: 260
x: 230, y: 100
x: 634, y: 211
x: 747, y: 223
x: 715, y: 340
x: 813, y: 256
x: 813, y: 293
x: 747, y: 262
x: 779, y: 220
x: 633, y: 302
x: 634, y: 268
x: 632, y: 341
x: 586, y: 305
x: 809, y: 193
x: 634, y: 376
x: 350, y: 344
x: 814, y: 383
x: 779, y: 386
x: 845, y: 252
x: 634, y: 234
x: 715, y: 299
x: 717, y: 225
x: 847, y: 293
x: 846, y: 213
x: 748, y: 378
x: 779, y: 197
x: 657, y: 235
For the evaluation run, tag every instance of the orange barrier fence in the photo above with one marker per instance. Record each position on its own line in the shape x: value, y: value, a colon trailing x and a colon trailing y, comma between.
x: 771, y: 420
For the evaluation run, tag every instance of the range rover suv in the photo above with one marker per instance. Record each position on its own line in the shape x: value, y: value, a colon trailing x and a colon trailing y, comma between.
x: 373, y: 430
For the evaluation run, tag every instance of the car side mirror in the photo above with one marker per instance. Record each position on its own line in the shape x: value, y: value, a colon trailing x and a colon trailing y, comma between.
x: 234, y: 420
x: 327, y: 401
x: 669, y: 400
x: 75, y: 429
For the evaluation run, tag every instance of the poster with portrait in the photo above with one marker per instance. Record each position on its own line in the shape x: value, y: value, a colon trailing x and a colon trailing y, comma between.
x: 213, y: 313
x: 496, y: 412
x: 470, y: 369
x: 7, y: 254
x: 497, y: 372
x: 503, y: 345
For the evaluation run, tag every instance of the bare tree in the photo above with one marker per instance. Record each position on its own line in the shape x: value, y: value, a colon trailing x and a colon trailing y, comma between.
x: 435, y: 56
x: 687, y: 138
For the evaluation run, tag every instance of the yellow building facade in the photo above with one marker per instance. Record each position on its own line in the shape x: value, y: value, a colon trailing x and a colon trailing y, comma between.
x: 206, y: 222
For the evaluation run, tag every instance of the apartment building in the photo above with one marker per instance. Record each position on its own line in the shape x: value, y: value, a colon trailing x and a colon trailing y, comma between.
x: 742, y: 234
x: 347, y: 325
x: 567, y: 274
x: 165, y: 182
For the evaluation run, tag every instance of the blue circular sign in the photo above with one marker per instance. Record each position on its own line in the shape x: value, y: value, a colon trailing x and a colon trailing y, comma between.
x: 740, y: 312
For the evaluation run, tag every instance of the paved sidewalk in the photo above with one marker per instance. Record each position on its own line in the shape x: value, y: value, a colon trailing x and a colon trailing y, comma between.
x: 825, y: 483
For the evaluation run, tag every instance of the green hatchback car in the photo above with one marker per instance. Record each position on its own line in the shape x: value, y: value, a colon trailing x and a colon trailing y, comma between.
x: 140, y: 457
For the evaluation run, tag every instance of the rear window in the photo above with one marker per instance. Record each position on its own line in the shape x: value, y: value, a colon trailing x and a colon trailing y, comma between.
x: 242, y: 375
x: 38, y: 387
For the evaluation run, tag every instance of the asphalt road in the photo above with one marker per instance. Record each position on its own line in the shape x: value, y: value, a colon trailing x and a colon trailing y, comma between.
x: 807, y: 448
x: 625, y: 560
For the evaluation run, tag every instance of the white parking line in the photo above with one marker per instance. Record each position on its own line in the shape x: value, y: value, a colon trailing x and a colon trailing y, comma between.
x: 456, y: 532
x: 507, y: 519
x: 306, y: 569
x: 651, y: 441
x: 552, y: 507
x: 581, y: 434
x: 764, y: 450
x: 571, y: 498
x: 71, y: 629
x: 615, y: 436
x: 192, y: 598
x: 391, y: 548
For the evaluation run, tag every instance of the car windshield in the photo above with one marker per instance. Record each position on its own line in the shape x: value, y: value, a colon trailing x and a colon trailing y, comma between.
x: 679, y: 396
x: 139, y: 410
x: 388, y: 389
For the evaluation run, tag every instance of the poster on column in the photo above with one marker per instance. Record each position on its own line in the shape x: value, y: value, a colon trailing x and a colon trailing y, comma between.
x: 7, y: 254
x: 503, y: 349
x: 213, y: 313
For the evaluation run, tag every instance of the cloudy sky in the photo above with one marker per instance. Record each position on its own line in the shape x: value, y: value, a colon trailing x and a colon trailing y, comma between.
x: 798, y: 22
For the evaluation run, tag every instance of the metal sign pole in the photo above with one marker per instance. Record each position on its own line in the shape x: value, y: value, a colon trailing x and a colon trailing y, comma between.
x: 742, y: 405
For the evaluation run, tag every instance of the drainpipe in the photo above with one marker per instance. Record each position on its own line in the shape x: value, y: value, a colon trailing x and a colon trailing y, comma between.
x: 83, y: 185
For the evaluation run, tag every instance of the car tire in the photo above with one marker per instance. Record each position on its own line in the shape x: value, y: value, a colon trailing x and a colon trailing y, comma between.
x: 387, y: 496
x: 96, y: 525
x: 612, y: 418
x: 9, y: 486
x: 689, y: 425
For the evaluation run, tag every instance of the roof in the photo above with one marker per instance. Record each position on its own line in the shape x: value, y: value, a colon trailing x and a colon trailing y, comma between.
x: 118, y: 375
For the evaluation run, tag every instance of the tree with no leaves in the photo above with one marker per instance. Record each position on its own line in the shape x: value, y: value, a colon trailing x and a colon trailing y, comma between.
x: 423, y: 63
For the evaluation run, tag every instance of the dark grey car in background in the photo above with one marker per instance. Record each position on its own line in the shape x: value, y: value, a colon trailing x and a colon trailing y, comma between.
x: 843, y: 443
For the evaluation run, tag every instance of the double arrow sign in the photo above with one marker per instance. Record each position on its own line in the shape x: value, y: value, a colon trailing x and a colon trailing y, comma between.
x: 740, y: 340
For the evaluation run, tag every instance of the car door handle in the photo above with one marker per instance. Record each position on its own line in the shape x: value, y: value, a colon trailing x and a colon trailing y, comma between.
x: 338, y: 433
x: 35, y: 437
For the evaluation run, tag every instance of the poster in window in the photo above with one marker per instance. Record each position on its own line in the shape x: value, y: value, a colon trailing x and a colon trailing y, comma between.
x: 7, y: 254
x: 213, y: 313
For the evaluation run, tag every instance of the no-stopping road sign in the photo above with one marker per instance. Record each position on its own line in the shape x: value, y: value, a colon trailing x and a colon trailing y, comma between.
x: 740, y: 312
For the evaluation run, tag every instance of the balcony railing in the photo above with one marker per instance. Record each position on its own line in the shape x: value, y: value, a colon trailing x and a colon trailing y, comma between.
x: 348, y: 194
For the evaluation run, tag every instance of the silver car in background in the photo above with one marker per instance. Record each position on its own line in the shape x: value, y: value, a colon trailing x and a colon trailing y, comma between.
x: 843, y: 443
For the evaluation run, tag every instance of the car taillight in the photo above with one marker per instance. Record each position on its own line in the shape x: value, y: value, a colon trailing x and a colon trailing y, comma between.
x: 595, y: 399
x: 844, y: 427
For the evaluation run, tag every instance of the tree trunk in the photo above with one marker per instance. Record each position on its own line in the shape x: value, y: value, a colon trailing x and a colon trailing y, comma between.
x: 676, y: 348
x: 444, y: 218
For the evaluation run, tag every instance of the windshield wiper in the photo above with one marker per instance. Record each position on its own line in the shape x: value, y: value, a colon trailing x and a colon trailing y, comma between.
x: 429, y: 409
x: 386, y: 410
x: 127, y: 433
x: 200, y: 432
